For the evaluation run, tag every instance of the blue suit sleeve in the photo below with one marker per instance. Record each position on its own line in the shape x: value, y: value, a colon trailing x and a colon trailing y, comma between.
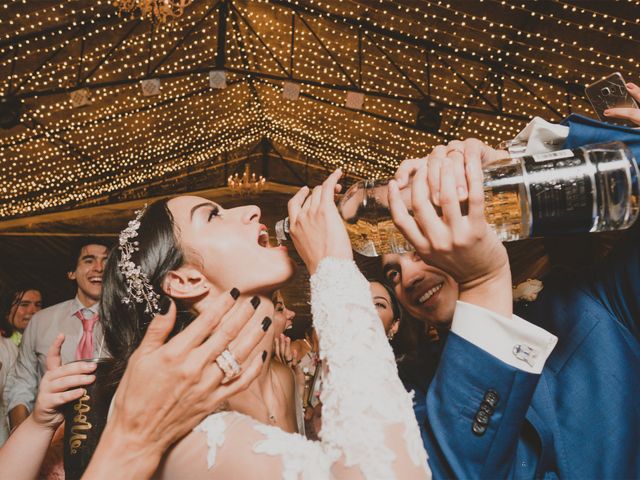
x: 616, y: 283
x: 462, y: 383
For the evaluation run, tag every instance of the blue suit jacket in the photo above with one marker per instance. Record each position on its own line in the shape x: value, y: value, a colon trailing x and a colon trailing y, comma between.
x: 581, y: 417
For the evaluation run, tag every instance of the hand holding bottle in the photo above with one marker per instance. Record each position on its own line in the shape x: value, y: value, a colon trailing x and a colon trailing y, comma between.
x: 61, y: 384
x: 316, y: 226
x: 462, y: 245
x: 455, y: 152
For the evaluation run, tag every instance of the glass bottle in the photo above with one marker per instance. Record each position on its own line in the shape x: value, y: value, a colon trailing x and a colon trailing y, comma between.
x: 593, y: 188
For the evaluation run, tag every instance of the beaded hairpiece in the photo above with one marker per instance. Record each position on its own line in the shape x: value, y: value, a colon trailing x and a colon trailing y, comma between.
x: 139, y: 288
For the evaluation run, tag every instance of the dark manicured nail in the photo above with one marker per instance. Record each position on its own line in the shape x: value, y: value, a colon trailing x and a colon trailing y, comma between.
x: 264, y: 355
x: 235, y: 293
x: 266, y: 323
x: 164, y: 304
x: 255, y: 301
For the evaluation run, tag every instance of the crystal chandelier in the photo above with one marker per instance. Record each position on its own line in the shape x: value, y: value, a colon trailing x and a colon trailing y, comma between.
x: 247, y: 183
x: 158, y: 11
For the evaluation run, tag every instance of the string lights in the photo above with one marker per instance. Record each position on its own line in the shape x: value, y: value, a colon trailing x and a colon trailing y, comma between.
x: 491, y: 64
x: 160, y: 11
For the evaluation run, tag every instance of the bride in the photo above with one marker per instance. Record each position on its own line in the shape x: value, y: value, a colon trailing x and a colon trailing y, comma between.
x: 193, y: 250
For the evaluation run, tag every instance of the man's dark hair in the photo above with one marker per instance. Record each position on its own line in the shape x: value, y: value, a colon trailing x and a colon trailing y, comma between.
x: 78, y: 245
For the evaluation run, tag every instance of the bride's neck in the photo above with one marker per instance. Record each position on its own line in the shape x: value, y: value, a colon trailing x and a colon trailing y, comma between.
x: 262, y: 386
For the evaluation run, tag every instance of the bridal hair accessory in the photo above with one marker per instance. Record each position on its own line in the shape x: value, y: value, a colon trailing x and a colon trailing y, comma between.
x: 139, y: 288
x: 229, y: 365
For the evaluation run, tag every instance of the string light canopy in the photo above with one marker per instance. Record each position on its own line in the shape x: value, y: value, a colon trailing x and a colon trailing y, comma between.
x: 157, y: 11
x: 482, y: 68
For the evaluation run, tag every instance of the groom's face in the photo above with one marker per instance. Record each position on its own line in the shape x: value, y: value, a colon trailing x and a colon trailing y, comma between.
x: 427, y: 293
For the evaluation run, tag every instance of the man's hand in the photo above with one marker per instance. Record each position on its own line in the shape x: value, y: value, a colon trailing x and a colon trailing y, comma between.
x: 455, y: 152
x: 61, y: 384
x: 464, y: 246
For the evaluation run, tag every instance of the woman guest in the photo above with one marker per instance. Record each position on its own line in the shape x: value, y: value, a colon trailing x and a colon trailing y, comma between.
x: 17, y: 307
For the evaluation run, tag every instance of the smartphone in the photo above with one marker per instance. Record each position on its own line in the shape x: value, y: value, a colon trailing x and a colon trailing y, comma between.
x: 610, y: 92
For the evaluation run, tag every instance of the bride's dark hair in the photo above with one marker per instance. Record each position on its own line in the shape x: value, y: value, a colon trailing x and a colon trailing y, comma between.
x: 158, y: 253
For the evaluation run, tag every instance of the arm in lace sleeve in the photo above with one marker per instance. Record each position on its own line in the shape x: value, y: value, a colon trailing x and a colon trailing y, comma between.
x: 365, y: 406
x: 369, y: 429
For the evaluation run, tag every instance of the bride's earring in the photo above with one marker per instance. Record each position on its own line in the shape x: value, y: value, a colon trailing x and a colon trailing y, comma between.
x: 393, y: 330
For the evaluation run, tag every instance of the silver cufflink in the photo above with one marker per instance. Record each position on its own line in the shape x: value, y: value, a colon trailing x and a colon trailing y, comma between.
x: 525, y: 353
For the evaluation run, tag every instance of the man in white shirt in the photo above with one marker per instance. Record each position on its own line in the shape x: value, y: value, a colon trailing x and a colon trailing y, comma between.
x: 76, y: 318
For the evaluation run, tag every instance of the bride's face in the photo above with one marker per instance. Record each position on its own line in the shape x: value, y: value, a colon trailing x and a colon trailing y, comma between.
x: 230, y: 247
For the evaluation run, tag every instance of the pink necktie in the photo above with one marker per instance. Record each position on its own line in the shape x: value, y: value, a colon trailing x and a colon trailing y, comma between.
x: 85, y: 347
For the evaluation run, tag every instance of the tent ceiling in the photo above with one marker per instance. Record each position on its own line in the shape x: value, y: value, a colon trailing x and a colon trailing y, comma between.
x: 489, y: 65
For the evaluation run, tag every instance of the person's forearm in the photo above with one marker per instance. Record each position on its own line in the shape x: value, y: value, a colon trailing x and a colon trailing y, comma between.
x: 121, y: 456
x: 23, y: 453
x: 17, y: 415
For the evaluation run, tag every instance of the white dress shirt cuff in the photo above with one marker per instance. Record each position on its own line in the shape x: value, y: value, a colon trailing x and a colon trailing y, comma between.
x: 539, y: 136
x: 514, y: 341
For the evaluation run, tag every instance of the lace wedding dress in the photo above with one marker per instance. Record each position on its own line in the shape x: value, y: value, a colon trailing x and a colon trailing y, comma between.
x: 368, y: 426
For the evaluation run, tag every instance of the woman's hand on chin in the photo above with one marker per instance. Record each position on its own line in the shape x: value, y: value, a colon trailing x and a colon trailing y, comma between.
x: 168, y: 388
x: 315, y: 224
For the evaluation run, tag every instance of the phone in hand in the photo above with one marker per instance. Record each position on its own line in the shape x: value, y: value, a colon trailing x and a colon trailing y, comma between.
x: 610, y: 92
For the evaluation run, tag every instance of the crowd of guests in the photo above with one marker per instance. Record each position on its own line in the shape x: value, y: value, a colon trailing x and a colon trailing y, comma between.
x: 211, y: 385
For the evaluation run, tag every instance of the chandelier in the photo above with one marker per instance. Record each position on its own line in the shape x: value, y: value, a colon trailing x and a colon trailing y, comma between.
x: 158, y: 11
x: 247, y: 183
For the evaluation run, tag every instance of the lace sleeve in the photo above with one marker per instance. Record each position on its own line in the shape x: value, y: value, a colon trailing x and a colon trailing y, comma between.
x: 362, y: 395
x: 369, y: 429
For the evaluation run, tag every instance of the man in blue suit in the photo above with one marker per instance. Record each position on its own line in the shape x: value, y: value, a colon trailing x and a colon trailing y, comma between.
x: 488, y: 414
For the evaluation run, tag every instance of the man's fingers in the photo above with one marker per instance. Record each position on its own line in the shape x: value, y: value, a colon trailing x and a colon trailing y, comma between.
x: 474, y: 147
x: 60, y: 399
x: 449, y: 196
x: 159, y: 329
x: 54, y: 360
x: 403, y: 221
x: 407, y: 168
x: 70, y: 381
x: 475, y: 178
x: 424, y: 212
x: 73, y: 368
x: 433, y: 173
x: 456, y: 154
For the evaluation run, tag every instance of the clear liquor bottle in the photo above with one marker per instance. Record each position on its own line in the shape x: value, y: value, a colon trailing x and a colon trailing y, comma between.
x: 593, y: 188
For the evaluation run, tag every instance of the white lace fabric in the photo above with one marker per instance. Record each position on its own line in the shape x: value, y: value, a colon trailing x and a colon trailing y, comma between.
x: 368, y: 430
